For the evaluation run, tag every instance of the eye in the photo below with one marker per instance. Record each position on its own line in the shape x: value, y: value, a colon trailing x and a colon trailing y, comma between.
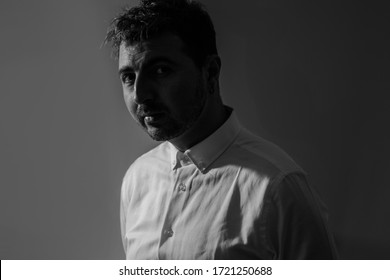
x: 128, y: 78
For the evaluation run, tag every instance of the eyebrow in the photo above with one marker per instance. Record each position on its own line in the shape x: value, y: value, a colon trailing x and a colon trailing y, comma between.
x: 148, y: 63
x: 124, y: 69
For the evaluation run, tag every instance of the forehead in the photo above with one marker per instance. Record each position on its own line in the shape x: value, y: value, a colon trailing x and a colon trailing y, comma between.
x: 167, y: 46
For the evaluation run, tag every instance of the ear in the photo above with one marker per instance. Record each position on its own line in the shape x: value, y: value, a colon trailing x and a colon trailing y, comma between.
x: 212, y: 68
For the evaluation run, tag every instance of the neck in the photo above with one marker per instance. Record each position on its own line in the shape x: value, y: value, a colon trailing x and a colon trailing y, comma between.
x: 209, y: 121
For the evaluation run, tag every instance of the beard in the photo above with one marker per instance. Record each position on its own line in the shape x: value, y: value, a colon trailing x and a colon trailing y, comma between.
x: 173, y: 127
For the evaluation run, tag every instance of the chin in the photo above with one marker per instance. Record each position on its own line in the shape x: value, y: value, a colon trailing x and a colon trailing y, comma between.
x: 164, y: 135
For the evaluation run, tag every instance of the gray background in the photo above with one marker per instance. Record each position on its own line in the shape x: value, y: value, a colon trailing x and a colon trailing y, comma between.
x: 312, y: 76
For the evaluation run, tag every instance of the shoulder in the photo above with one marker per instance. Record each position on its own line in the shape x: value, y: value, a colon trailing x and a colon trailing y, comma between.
x: 296, y: 220
x: 257, y: 154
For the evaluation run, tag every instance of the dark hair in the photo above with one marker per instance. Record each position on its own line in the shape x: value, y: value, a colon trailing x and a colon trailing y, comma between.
x: 184, y: 18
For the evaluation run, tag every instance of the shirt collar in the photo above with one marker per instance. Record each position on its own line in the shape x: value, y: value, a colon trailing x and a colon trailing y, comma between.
x: 203, y: 154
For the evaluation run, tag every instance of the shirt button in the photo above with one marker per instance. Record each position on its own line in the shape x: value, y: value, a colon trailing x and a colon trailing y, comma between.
x: 168, y: 232
x: 182, y: 187
x: 186, y: 160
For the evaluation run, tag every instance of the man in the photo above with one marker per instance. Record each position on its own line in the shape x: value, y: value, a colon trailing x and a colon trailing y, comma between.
x: 211, y: 190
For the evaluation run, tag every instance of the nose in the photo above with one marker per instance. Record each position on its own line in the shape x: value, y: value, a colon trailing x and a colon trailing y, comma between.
x: 142, y: 89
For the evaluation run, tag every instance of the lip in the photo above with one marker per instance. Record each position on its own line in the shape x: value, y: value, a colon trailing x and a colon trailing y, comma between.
x: 154, y: 118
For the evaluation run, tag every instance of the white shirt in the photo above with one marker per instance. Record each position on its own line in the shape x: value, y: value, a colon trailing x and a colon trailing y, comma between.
x: 232, y: 196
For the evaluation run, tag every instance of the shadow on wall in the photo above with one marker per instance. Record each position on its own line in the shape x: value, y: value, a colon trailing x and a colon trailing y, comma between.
x: 351, y: 248
x: 314, y: 78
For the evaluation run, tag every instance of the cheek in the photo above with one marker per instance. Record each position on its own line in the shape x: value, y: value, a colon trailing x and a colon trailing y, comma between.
x: 129, y: 101
x: 184, y: 94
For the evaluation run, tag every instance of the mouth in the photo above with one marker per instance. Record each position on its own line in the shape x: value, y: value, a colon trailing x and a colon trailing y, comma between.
x: 153, y: 118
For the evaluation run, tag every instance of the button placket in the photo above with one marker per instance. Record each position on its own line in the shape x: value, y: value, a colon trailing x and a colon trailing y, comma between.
x: 174, y: 209
x: 178, y: 200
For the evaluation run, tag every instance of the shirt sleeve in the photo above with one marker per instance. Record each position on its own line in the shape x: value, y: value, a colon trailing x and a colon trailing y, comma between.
x: 123, y: 215
x: 296, y: 221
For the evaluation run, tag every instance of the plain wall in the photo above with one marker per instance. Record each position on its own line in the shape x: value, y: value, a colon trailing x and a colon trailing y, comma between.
x: 312, y: 76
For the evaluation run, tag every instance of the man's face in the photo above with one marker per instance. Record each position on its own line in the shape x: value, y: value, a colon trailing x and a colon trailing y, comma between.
x: 163, y: 89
